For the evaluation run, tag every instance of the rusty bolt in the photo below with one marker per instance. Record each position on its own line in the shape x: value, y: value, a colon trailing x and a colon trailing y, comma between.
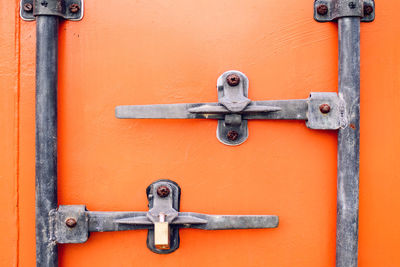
x: 28, y: 7
x: 70, y: 222
x: 74, y: 8
x: 368, y: 10
x: 322, y: 10
x: 324, y: 108
x: 352, y: 5
x: 163, y: 191
x: 232, y: 135
x: 233, y: 79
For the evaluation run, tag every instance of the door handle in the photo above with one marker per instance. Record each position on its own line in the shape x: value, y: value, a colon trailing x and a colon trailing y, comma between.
x: 72, y: 224
x: 320, y: 111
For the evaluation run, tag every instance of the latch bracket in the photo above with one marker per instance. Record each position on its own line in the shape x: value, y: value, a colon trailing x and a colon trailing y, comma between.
x: 66, y: 9
x: 70, y: 224
x: 330, y: 10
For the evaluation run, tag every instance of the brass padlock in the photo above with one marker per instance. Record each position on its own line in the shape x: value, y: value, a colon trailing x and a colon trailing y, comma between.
x: 161, y: 233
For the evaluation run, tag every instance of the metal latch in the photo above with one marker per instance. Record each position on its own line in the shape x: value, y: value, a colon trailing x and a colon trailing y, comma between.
x: 325, y: 111
x: 72, y: 224
x: 66, y: 9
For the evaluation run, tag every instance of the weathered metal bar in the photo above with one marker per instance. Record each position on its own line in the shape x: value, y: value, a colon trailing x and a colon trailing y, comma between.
x: 121, y: 221
x: 290, y: 110
x: 46, y: 136
x: 226, y: 222
x: 348, y: 143
x: 103, y: 221
x: 107, y: 221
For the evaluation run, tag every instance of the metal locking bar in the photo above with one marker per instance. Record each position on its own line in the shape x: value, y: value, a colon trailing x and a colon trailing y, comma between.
x: 348, y: 13
x: 324, y: 111
x: 47, y: 14
x: 72, y: 224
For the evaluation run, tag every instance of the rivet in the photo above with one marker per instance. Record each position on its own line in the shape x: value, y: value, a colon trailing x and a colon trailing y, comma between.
x: 324, y: 108
x: 232, y: 135
x: 322, y: 10
x: 74, y: 8
x: 70, y: 222
x: 233, y: 79
x: 368, y: 10
x: 352, y: 5
x: 163, y: 191
x: 28, y: 7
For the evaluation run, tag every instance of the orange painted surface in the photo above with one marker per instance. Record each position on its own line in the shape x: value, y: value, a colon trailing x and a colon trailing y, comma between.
x: 147, y: 52
x: 9, y: 90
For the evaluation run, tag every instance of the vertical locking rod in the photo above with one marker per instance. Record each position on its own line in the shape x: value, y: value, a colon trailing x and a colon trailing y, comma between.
x: 46, y: 136
x: 348, y: 144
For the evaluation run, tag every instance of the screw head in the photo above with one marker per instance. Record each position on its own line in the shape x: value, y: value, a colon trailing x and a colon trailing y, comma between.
x: 368, y: 10
x: 74, y: 8
x: 324, y: 108
x: 163, y: 191
x: 28, y: 7
x: 322, y: 10
x: 233, y: 79
x: 70, y: 222
x: 352, y: 5
x: 232, y: 135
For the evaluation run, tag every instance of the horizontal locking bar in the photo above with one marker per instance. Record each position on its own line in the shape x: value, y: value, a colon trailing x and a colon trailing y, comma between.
x: 310, y: 110
x: 259, y: 110
x: 72, y: 224
x: 98, y: 221
x: 324, y: 111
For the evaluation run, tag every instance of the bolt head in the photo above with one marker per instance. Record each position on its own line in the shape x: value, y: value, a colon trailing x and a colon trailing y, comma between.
x: 233, y: 79
x: 70, y: 222
x: 232, y: 135
x: 163, y: 191
x: 324, y: 108
x: 322, y: 10
x: 368, y: 10
x: 352, y: 5
x: 28, y: 7
x: 74, y: 8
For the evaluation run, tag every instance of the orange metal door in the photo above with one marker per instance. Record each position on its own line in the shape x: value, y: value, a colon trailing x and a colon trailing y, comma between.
x: 146, y: 52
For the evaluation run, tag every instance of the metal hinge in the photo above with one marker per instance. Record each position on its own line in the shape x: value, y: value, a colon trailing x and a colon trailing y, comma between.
x: 329, y: 10
x: 66, y: 9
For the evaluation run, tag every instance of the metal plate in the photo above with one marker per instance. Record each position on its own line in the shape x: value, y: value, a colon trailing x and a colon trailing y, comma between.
x: 240, y: 130
x: 59, y: 8
x: 344, y: 8
x: 174, y: 230
x: 77, y: 233
x: 334, y: 119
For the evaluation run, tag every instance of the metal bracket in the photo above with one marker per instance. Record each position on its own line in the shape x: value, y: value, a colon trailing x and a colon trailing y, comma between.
x: 329, y: 10
x: 167, y: 203
x: 72, y: 224
x: 66, y: 9
x: 324, y: 111
x: 232, y: 94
